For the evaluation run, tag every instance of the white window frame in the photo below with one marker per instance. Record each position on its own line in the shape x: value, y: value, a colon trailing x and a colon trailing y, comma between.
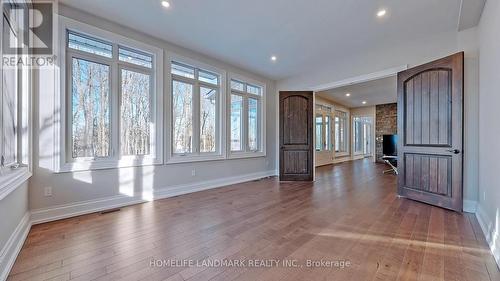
x: 246, y: 152
x: 325, y: 112
x: 220, y: 148
x: 15, y: 174
x: 64, y: 162
x: 362, y: 120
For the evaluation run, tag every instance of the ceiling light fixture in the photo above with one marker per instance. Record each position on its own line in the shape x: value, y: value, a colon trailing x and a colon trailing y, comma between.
x: 348, y: 94
x: 381, y: 13
x: 364, y: 102
x: 274, y: 58
x: 165, y: 4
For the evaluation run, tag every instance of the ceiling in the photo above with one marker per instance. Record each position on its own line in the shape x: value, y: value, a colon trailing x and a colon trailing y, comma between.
x: 380, y: 91
x: 303, y: 35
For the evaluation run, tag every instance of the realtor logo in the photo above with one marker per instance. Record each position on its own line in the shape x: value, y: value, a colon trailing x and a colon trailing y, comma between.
x: 30, y: 26
x: 28, y: 34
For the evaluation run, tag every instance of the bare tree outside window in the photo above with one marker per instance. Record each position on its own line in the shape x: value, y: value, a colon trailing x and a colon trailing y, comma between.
x: 236, y: 120
x: 208, y: 122
x: 90, y: 109
x: 135, y: 136
x: 182, y: 110
x: 253, y: 125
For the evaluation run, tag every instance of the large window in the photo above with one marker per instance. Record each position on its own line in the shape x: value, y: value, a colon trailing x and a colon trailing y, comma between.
x: 111, y: 100
x: 14, y: 100
x: 341, y: 131
x: 245, y: 114
x: 195, y: 110
x: 323, y: 128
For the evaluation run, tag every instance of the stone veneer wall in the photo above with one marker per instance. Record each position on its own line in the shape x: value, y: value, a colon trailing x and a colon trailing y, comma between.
x: 386, y: 123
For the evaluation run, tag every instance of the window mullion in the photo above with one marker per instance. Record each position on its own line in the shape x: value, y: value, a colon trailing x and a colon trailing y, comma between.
x: 245, y: 143
x: 115, y: 92
x: 259, y: 124
x: 196, y: 118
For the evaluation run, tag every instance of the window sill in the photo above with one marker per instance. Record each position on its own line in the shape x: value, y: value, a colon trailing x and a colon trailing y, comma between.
x: 240, y: 155
x: 176, y: 159
x: 10, y: 180
x: 80, y: 166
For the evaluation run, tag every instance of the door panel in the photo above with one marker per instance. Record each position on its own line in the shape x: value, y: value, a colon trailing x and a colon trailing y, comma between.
x: 428, y: 173
x: 296, y: 125
x: 296, y: 136
x: 428, y: 110
x: 430, y: 125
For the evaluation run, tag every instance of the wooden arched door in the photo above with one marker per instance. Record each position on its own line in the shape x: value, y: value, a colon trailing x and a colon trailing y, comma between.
x: 296, y: 136
x: 430, y: 129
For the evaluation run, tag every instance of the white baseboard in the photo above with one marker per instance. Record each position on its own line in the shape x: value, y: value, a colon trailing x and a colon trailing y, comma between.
x: 81, y: 208
x: 13, y: 246
x: 470, y: 206
x: 200, y: 186
x: 491, y: 232
x: 76, y: 209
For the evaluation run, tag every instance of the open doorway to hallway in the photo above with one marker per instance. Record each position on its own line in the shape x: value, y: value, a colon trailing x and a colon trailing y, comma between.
x: 350, y: 121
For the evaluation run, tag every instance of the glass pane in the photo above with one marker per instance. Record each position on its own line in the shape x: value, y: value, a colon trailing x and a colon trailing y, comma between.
x: 358, y: 135
x: 90, y: 109
x: 319, y: 132
x: 208, y: 77
x: 327, y: 133
x: 135, y: 57
x: 135, y: 112
x: 337, y: 134
x: 236, y: 122
x: 237, y: 85
x: 208, y: 120
x: 182, y: 101
x: 253, y: 125
x: 254, y: 90
x: 182, y: 70
x: 89, y: 45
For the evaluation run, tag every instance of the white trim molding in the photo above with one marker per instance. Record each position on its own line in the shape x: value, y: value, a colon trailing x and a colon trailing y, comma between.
x: 361, y: 78
x: 13, y: 246
x: 491, y: 230
x: 13, y: 180
x: 81, y: 208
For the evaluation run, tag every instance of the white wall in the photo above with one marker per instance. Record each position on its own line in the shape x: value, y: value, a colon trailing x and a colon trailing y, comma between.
x: 14, y: 222
x: 413, y: 54
x: 100, y: 188
x: 489, y: 125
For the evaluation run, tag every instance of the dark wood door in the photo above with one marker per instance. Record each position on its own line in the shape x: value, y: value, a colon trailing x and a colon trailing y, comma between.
x: 296, y: 136
x: 430, y: 129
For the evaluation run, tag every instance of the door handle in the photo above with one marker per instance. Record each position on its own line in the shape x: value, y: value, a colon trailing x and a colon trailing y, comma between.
x: 454, y: 151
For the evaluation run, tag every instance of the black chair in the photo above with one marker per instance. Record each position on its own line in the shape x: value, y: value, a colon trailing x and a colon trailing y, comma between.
x: 392, y: 161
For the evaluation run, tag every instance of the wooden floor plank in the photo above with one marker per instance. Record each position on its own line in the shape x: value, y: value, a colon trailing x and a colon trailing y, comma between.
x: 350, y: 213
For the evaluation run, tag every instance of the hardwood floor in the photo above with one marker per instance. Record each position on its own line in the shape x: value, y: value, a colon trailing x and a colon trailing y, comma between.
x: 350, y: 214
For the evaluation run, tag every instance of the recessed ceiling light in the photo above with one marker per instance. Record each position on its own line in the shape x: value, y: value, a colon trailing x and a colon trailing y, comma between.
x: 348, y: 94
x: 381, y: 13
x: 274, y: 58
x: 364, y: 102
x: 165, y: 4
